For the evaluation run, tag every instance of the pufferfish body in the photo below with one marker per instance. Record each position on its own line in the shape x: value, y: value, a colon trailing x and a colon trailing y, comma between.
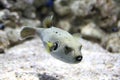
x: 59, y: 43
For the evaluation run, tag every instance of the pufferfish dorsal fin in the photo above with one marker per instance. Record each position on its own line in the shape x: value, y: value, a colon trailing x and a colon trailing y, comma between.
x: 27, y: 32
x: 48, y: 22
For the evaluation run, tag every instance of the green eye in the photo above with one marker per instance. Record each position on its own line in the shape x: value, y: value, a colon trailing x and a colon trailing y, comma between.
x: 54, y: 47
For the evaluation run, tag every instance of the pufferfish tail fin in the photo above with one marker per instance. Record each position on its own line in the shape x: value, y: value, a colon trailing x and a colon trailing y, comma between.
x: 48, y: 22
x: 27, y: 32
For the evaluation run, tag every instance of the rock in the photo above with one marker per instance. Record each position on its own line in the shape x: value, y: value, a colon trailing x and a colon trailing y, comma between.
x: 64, y: 24
x: 108, y: 13
x: 113, y: 45
x: 92, y: 31
x: 13, y: 34
x: 24, y: 6
x: 4, y: 14
x: 5, y: 3
x: 9, y: 19
x: 30, y: 12
x: 18, y: 4
x: 118, y: 25
x: 30, y: 61
x: 62, y: 8
x: 82, y: 7
x: 104, y: 13
x: 38, y: 3
x: 112, y: 42
x: 7, y: 15
x: 4, y: 42
x: 30, y: 22
x: 29, y: 1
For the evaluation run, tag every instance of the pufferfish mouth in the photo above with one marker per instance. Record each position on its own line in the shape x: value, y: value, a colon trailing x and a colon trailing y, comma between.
x: 78, y: 58
x: 75, y: 60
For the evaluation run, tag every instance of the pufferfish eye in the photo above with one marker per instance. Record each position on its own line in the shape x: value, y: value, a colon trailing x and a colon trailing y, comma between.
x: 54, y: 47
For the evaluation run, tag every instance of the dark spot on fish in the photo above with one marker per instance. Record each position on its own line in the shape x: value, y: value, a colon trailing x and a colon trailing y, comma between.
x: 68, y: 50
x: 61, y: 57
x: 80, y: 47
x: 56, y: 32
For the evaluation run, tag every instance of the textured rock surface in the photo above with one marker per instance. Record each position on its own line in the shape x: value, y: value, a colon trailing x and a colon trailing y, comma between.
x: 30, y: 61
x: 112, y: 42
x: 4, y: 42
x: 92, y: 31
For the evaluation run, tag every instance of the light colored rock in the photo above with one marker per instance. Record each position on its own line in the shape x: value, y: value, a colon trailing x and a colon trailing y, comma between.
x: 13, y: 35
x: 30, y: 22
x: 62, y: 7
x: 24, y: 6
x: 82, y: 7
x: 30, y: 61
x: 4, y: 13
x: 64, y: 24
x: 18, y: 4
x: 30, y: 13
x: 113, y: 45
x: 9, y: 19
x: 107, y: 7
x: 112, y: 42
x: 108, y: 12
x: 103, y: 12
x: 5, y: 3
x: 4, y: 42
x: 91, y: 30
x: 118, y: 25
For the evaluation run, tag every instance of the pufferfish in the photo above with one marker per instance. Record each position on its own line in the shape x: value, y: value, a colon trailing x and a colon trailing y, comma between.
x: 59, y: 43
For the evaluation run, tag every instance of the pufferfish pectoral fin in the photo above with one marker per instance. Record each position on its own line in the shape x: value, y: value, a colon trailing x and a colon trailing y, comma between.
x: 27, y: 32
x: 48, y: 46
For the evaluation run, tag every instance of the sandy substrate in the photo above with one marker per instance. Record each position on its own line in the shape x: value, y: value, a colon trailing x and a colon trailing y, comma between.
x: 30, y: 61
